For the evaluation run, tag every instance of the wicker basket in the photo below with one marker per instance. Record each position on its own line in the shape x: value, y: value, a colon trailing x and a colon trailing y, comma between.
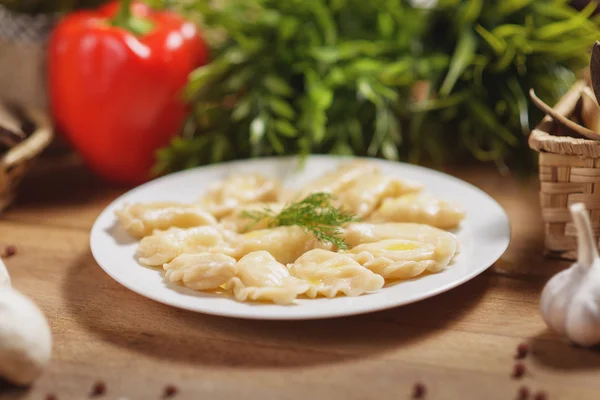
x: 15, y: 163
x: 23, y: 41
x: 569, y: 173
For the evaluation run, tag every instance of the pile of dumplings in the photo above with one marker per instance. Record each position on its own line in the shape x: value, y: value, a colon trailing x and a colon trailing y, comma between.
x: 210, y: 246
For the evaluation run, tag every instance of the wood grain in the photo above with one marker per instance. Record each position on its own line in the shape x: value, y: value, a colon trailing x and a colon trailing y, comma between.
x: 460, y: 344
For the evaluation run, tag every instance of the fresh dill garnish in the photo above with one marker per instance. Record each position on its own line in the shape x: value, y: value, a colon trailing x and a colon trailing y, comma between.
x: 315, y: 214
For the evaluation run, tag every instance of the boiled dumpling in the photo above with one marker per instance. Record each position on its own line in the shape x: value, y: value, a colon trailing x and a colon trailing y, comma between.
x: 141, y: 219
x: 212, y: 245
x: 364, y: 195
x: 285, y: 243
x: 330, y: 273
x: 237, y: 222
x: 424, y: 209
x: 396, y: 258
x: 340, y: 178
x: 201, y: 271
x: 164, y: 246
x: 446, y: 244
x: 260, y: 277
x: 224, y: 197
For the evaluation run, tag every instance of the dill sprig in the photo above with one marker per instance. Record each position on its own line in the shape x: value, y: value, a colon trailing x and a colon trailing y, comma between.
x: 315, y: 214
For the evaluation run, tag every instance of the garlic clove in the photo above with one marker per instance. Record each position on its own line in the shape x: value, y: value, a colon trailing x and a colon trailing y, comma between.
x: 570, y: 301
x: 583, y: 320
x: 555, y: 307
x: 4, y: 277
x: 25, y: 338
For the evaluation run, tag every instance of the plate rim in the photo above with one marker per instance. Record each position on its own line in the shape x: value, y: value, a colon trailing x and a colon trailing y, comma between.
x: 490, y: 259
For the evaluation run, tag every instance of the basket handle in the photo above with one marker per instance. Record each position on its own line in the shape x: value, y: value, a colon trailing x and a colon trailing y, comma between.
x: 32, y: 145
x: 582, y: 130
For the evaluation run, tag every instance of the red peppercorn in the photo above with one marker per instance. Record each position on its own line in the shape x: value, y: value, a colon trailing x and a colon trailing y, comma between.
x: 51, y: 396
x: 518, y: 370
x: 99, y: 389
x: 523, y: 393
x: 170, y: 391
x: 540, y: 396
x: 10, y: 251
x: 419, y: 391
x: 522, y: 351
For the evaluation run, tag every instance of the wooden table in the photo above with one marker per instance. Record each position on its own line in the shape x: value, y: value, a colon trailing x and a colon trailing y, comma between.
x: 460, y: 345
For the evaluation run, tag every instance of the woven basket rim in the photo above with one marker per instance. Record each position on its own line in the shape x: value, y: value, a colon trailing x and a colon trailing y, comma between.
x: 542, y: 141
x: 33, y: 145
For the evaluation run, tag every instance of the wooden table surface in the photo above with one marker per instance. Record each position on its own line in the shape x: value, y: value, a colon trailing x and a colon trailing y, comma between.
x: 460, y: 345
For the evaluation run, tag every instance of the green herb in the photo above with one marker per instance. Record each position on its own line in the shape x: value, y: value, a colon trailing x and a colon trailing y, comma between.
x: 339, y: 76
x: 315, y: 214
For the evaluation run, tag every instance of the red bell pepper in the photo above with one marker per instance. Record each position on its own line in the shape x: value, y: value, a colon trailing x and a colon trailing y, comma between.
x: 115, y: 77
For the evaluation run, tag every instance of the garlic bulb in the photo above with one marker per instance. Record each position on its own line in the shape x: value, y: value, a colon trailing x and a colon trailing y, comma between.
x: 570, y: 302
x: 25, y: 337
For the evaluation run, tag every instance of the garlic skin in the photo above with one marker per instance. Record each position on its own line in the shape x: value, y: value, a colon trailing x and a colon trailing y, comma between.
x: 25, y: 337
x: 4, y: 277
x: 570, y: 301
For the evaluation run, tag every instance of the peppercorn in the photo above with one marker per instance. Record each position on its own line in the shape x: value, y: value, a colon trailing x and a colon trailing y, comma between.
x: 522, y: 351
x: 419, y: 391
x: 523, y: 393
x: 518, y: 370
x: 540, y: 396
x: 170, y: 391
x: 99, y: 389
x: 10, y: 251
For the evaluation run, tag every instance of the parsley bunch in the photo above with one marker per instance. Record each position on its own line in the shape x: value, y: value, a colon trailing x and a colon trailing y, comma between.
x: 379, y: 78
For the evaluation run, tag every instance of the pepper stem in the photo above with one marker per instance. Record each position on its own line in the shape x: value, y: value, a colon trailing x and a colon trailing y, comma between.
x: 126, y: 20
x: 586, y: 245
x: 124, y: 13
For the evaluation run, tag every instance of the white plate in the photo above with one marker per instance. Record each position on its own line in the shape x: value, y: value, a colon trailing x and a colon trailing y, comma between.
x: 484, y: 236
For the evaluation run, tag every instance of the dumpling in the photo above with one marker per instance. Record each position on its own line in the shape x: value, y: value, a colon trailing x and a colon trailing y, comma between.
x: 446, y: 244
x: 261, y: 278
x: 201, y: 271
x: 285, y: 243
x: 338, y: 179
x: 364, y: 195
x: 396, y: 258
x: 224, y: 197
x: 424, y: 209
x: 141, y: 219
x: 164, y: 246
x: 330, y: 273
x: 237, y: 222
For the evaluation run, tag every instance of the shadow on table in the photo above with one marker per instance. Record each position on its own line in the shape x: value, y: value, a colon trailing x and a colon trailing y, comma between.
x: 63, y: 181
x: 123, y: 318
x: 550, y: 352
x: 6, y: 389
